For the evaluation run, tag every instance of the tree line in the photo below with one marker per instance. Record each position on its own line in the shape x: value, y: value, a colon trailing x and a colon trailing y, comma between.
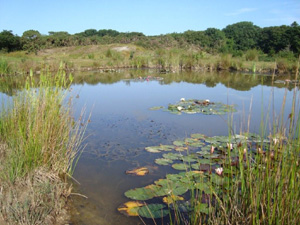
x: 234, y: 39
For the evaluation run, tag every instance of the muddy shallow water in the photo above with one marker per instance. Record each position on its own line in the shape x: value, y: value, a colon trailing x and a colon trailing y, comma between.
x: 122, y: 126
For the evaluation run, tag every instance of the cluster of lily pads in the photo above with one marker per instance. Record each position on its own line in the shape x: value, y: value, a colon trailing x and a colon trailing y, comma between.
x: 192, y: 106
x: 202, y: 161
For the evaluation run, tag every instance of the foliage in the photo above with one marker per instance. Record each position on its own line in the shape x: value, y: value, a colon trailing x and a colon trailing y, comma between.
x: 8, y: 41
x: 244, y: 34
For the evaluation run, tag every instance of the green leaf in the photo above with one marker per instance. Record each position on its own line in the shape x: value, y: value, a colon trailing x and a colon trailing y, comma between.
x: 163, y: 161
x: 153, y: 149
x: 179, y: 143
x: 172, y: 156
x: 153, y: 211
x: 180, y: 166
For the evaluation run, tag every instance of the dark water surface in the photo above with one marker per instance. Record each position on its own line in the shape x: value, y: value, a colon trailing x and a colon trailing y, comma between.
x: 122, y: 126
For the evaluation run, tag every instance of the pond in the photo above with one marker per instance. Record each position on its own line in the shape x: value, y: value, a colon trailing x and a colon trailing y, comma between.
x: 122, y: 125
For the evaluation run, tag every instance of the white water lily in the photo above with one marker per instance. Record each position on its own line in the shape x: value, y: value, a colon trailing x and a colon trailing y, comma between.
x: 219, y: 171
x: 179, y: 108
x: 182, y: 99
x: 207, y: 100
x: 230, y: 146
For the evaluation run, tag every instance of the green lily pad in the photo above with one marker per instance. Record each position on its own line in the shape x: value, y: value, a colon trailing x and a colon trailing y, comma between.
x: 163, y: 161
x: 143, y: 193
x: 172, y: 156
x: 179, y: 143
x: 180, y: 166
x: 192, y: 106
x: 189, y: 158
x: 202, y: 207
x: 198, y: 136
x: 153, y: 211
x: 153, y: 149
x: 180, y: 148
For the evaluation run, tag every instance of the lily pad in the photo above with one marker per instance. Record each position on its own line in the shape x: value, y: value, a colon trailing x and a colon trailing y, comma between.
x: 141, y: 171
x: 179, y: 143
x: 130, y: 208
x: 153, y: 149
x: 192, y: 106
x: 202, y: 207
x: 198, y: 136
x: 180, y: 166
x: 180, y: 148
x: 140, y: 193
x: 153, y: 211
x: 170, y: 199
x: 163, y: 161
x: 172, y: 156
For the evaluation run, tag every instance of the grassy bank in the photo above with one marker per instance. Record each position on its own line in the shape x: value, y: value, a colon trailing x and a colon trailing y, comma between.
x: 40, y: 143
x: 113, y: 56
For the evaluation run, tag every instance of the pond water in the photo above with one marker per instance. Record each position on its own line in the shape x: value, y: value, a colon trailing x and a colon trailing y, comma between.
x: 122, y: 126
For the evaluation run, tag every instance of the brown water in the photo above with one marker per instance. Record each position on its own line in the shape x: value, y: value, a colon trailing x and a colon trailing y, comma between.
x: 122, y: 126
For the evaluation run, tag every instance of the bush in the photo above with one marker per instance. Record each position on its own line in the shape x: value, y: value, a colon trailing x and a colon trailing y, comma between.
x: 252, y: 55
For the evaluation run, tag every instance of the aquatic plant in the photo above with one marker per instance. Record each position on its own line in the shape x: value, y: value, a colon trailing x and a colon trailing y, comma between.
x: 192, y: 106
x: 205, y: 171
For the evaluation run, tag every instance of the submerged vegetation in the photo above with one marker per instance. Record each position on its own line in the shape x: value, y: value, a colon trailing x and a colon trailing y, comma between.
x: 40, y: 144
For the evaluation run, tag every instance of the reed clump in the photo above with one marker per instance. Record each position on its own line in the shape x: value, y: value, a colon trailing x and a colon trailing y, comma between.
x: 42, y: 142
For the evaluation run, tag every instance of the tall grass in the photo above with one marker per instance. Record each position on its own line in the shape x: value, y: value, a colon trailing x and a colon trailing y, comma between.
x: 4, y: 67
x: 38, y: 127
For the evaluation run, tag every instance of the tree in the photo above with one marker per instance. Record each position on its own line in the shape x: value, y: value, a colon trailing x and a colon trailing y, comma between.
x: 8, y: 41
x: 31, y: 41
x: 244, y: 34
x: 58, y: 39
x: 293, y: 34
x: 216, y: 38
x: 274, y: 39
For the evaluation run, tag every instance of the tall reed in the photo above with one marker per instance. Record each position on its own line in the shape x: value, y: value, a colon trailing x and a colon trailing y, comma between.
x: 38, y: 127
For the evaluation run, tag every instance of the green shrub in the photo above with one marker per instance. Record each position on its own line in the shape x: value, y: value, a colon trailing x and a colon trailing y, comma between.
x: 252, y: 55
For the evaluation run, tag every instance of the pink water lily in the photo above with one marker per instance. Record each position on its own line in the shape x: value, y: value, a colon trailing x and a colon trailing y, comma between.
x: 212, y: 149
x: 219, y: 171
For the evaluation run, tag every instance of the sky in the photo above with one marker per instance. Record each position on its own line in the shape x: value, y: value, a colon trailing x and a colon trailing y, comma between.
x: 151, y: 17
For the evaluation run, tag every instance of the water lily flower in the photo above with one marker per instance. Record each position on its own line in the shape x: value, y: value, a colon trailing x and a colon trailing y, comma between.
x: 182, y: 99
x: 207, y: 100
x: 275, y: 140
x: 212, y: 149
x: 230, y: 146
x: 179, y: 108
x: 219, y: 171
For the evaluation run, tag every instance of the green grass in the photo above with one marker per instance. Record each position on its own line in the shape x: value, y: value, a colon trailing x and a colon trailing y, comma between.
x: 134, y: 56
x: 4, y: 67
x: 38, y: 127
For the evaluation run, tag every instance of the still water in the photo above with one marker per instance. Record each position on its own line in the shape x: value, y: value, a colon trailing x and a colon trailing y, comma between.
x: 122, y: 126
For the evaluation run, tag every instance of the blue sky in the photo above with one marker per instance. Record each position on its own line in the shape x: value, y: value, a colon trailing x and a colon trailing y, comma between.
x: 152, y: 17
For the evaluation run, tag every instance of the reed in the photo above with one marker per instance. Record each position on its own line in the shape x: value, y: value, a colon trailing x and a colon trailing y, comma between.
x: 38, y: 127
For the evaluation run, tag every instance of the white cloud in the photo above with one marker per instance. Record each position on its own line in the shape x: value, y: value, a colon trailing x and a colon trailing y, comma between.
x: 241, y: 11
